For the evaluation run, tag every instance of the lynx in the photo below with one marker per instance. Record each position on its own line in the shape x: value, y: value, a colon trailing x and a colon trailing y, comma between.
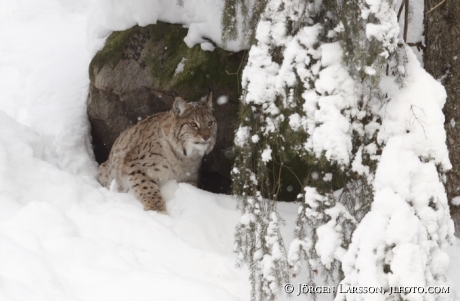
x: 165, y: 146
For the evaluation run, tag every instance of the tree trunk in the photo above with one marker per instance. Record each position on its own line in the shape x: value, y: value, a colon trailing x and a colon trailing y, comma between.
x: 442, y: 60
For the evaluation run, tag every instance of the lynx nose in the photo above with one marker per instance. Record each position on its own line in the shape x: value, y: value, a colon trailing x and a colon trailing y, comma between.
x: 206, y: 137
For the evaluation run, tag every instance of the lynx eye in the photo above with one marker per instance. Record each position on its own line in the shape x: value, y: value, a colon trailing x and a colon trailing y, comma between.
x: 193, y: 124
x: 210, y: 123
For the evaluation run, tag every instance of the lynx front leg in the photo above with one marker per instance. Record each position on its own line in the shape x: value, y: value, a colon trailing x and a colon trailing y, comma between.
x: 147, y: 191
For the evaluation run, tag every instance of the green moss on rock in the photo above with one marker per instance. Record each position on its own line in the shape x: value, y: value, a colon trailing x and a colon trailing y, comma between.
x: 112, y: 51
x: 134, y: 76
x: 163, y: 50
x: 202, y: 68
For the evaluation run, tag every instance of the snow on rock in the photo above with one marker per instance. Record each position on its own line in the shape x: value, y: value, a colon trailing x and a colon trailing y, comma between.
x: 201, y: 17
x: 206, y: 46
x: 180, y: 66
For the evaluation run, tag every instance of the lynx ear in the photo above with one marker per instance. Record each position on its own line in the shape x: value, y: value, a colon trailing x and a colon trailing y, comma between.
x: 208, y: 100
x: 179, y: 106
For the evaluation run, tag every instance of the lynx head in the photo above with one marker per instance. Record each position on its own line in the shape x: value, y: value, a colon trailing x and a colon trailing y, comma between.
x: 196, y: 127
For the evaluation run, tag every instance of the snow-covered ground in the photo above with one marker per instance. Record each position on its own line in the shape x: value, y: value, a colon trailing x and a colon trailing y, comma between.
x: 63, y: 236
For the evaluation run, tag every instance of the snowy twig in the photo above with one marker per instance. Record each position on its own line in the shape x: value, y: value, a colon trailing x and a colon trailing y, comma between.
x: 416, y: 118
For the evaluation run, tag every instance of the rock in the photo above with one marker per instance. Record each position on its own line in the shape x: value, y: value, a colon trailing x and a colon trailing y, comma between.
x: 138, y: 73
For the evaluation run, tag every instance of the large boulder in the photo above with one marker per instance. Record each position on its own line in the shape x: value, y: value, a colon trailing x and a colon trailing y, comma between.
x: 140, y: 71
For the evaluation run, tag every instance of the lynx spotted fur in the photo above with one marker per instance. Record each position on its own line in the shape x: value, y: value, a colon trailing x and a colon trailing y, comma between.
x: 162, y: 147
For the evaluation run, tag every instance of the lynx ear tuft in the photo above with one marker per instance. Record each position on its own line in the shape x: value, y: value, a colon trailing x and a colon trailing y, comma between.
x: 208, y: 100
x: 179, y: 106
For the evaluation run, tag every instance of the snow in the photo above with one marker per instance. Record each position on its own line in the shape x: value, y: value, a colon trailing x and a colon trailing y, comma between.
x: 407, y: 190
x: 454, y: 267
x: 64, y: 237
x: 387, y: 26
x: 221, y: 100
x: 409, y: 214
x: 327, y: 177
x: 357, y: 163
x: 415, y: 26
x: 206, y: 46
x: 241, y: 136
x: 266, y: 154
x: 180, y: 66
x: 201, y: 17
x: 456, y: 201
x: 315, y: 175
x: 330, y: 130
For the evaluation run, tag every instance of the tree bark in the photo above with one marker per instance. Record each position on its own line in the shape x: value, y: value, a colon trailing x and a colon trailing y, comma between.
x: 442, y: 60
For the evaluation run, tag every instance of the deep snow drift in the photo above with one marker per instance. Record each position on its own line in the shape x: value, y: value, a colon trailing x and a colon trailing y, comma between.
x: 63, y: 236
